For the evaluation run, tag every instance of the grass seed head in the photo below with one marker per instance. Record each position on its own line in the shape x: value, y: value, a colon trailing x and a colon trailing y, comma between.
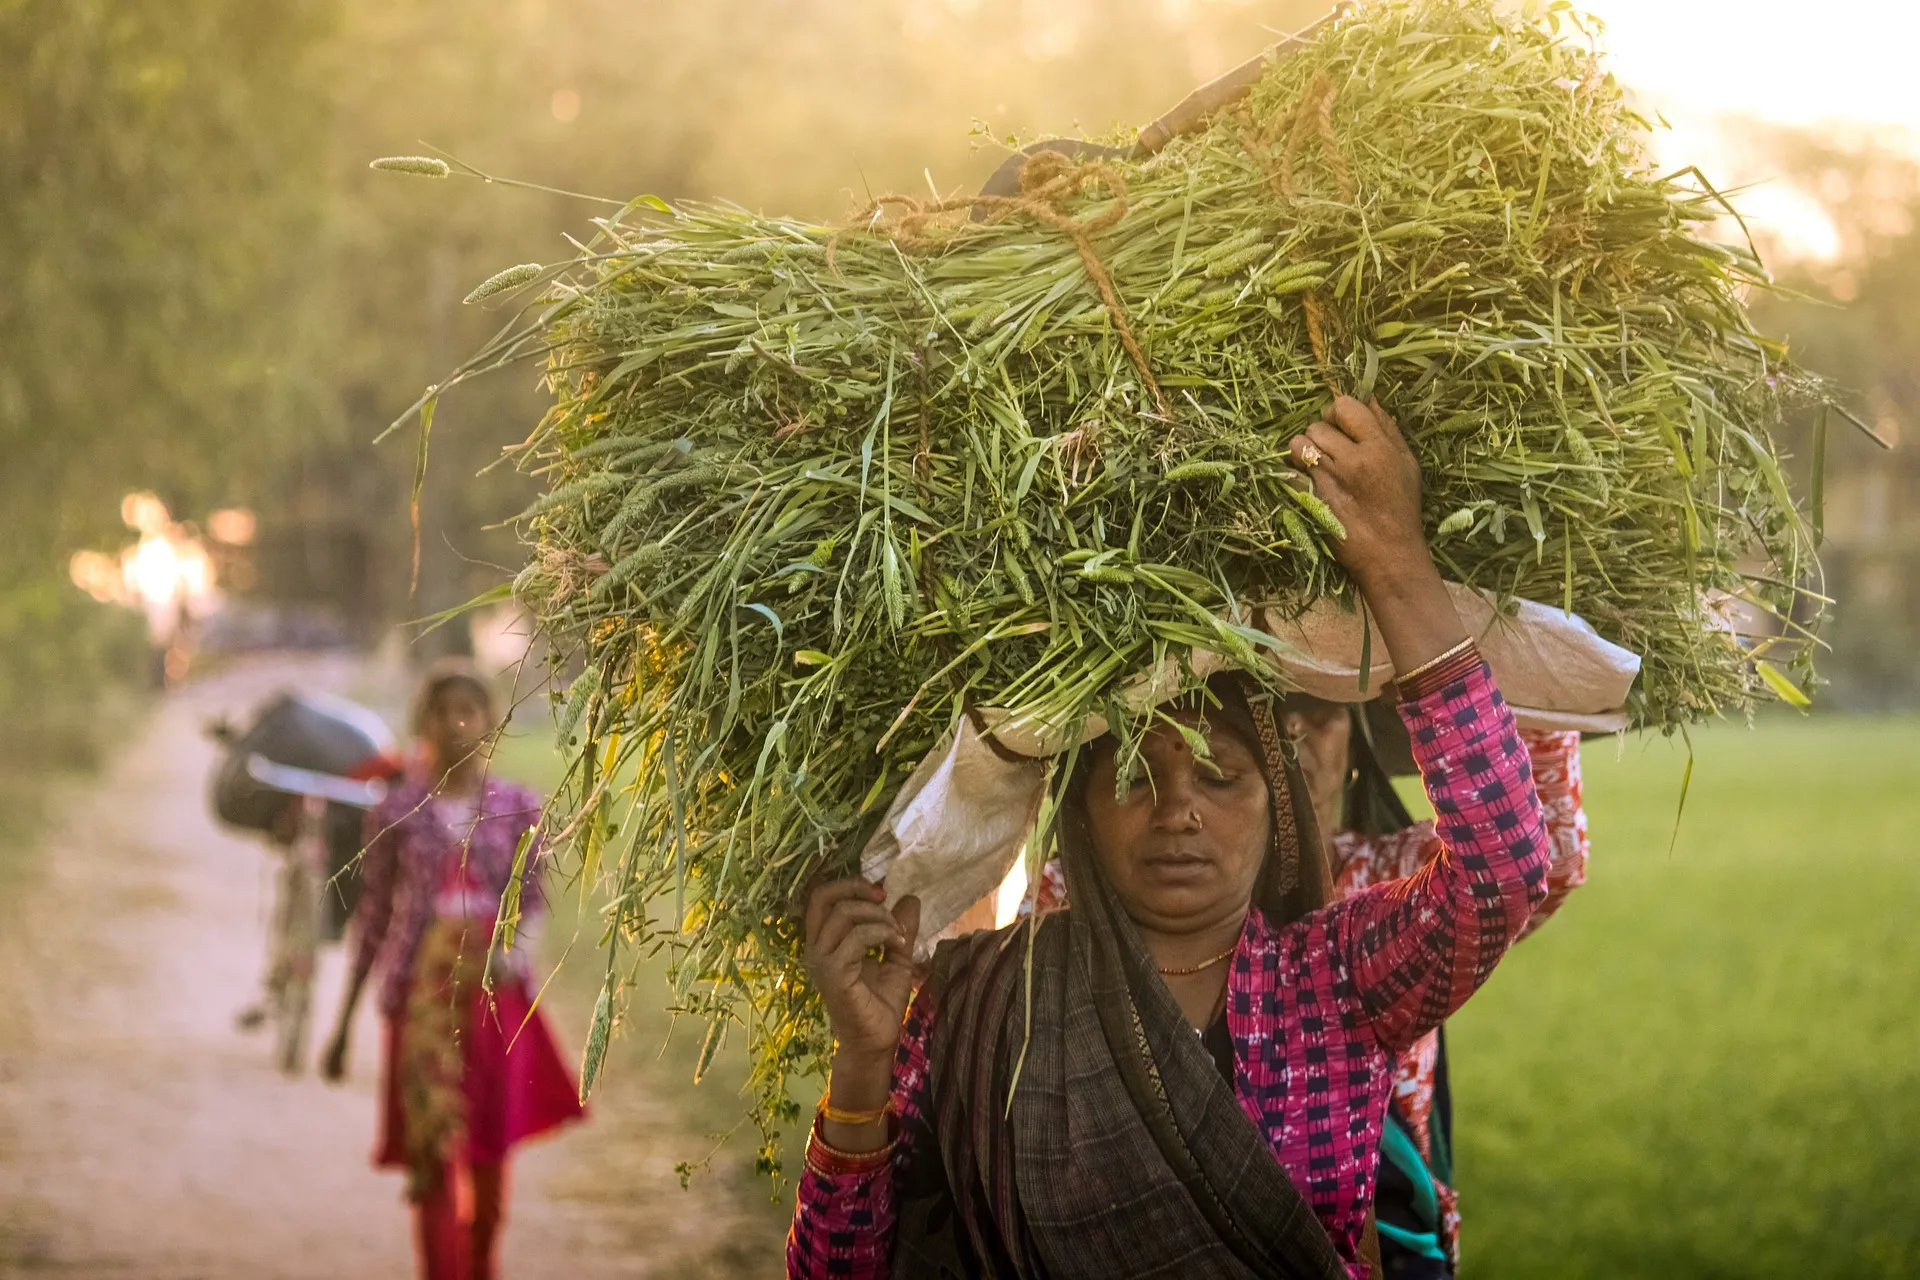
x: 421, y: 166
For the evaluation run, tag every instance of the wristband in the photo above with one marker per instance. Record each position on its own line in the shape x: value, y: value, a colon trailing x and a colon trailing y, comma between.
x: 830, y: 1161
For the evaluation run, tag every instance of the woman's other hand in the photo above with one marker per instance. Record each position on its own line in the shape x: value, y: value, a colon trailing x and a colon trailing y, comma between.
x: 1360, y: 466
x: 866, y: 998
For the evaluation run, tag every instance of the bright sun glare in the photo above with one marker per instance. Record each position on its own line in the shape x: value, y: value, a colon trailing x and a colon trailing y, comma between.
x: 1700, y: 62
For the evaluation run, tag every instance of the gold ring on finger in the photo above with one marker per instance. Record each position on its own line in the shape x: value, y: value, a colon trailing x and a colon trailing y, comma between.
x: 1311, y: 455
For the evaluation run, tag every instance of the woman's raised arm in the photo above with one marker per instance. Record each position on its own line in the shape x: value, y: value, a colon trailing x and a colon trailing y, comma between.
x: 843, y: 1218
x: 1360, y: 466
x: 1416, y: 948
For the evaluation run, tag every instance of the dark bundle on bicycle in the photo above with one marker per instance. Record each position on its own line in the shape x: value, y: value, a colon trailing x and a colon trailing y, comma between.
x: 307, y: 745
x: 303, y: 773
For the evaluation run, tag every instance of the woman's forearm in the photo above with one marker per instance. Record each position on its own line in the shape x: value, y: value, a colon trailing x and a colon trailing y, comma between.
x: 843, y: 1220
x: 858, y: 1083
x: 1419, y: 947
x: 1413, y: 610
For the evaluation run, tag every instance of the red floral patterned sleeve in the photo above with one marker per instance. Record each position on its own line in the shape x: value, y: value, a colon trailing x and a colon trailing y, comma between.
x: 1556, y: 776
x: 1360, y: 860
x: 843, y: 1218
x: 1414, y: 949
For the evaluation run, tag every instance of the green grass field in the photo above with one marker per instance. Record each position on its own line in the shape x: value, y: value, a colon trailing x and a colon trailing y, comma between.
x: 1707, y: 1066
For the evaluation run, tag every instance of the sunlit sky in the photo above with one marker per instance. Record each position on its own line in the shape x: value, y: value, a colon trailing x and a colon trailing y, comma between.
x: 1788, y: 60
x: 1848, y: 63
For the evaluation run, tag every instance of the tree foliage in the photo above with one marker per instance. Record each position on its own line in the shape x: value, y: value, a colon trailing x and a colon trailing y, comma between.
x: 1857, y: 319
x: 154, y: 169
x: 208, y: 294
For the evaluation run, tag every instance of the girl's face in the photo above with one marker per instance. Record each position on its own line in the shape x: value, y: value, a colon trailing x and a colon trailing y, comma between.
x: 458, y: 724
x: 1184, y: 849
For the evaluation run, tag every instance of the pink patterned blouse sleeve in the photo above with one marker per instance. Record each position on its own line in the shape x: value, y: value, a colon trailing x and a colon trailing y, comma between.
x: 379, y: 875
x: 1362, y: 860
x: 1414, y: 949
x: 843, y: 1220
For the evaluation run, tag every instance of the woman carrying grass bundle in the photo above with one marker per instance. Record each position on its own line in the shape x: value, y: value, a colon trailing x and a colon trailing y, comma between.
x: 470, y: 1067
x: 1347, y: 753
x: 1192, y: 1074
x: 820, y: 499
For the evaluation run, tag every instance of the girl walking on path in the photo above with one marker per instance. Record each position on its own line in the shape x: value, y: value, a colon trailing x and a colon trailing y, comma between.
x: 470, y: 1066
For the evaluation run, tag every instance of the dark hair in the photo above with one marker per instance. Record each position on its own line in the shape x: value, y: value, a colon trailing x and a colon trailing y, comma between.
x: 442, y: 676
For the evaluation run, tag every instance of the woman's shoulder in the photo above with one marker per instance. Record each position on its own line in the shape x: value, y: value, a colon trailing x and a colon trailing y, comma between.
x: 1294, y: 946
x: 1261, y: 936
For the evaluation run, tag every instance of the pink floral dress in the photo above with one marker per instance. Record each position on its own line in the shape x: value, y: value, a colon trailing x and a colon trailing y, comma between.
x: 471, y: 1066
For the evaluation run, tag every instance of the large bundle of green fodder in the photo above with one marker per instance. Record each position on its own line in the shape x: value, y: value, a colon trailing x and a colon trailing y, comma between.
x: 814, y: 490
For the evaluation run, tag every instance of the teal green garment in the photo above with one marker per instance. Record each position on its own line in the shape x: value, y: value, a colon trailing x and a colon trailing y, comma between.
x: 1397, y: 1146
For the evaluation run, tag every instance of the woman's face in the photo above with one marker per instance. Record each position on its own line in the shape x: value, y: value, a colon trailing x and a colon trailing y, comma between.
x: 457, y: 723
x: 1184, y: 849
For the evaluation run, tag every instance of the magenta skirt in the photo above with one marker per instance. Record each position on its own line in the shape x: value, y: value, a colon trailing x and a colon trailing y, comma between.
x: 512, y: 1077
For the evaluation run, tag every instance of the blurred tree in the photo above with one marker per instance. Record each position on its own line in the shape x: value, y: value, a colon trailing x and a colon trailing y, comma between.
x: 802, y: 106
x: 211, y: 296
x: 1857, y: 320
x: 157, y: 195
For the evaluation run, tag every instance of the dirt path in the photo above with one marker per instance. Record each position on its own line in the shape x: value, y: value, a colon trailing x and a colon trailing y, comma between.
x: 142, y: 1136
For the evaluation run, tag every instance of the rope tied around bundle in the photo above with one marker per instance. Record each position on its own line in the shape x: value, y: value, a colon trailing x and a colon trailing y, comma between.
x: 1047, y: 181
x: 1311, y: 119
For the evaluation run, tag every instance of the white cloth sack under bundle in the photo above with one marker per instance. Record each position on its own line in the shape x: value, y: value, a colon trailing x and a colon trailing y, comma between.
x: 1553, y: 668
x: 957, y: 824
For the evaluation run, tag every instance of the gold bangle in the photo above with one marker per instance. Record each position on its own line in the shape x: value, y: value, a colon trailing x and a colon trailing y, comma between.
x: 827, y: 1111
x: 1402, y: 678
